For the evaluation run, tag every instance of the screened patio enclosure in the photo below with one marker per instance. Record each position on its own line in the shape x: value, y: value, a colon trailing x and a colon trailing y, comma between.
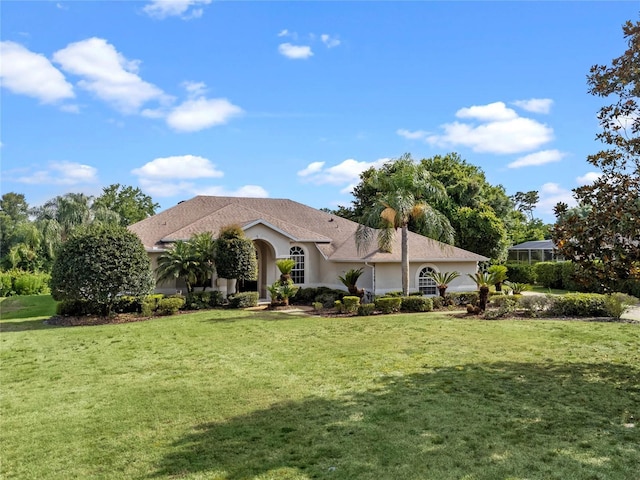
x: 534, y: 251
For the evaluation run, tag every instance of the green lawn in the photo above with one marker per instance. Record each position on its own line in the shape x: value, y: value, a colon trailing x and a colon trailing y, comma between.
x: 242, y: 395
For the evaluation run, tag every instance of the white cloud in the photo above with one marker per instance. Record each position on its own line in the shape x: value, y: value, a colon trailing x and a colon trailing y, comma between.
x: 312, y: 168
x: 538, y: 158
x: 254, y: 191
x: 27, y: 73
x: 535, y: 105
x: 329, y: 41
x: 178, y: 167
x: 200, y: 113
x: 108, y: 74
x: 550, y: 195
x: 295, y: 52
x: 496, y: 129
x: 588, y: 178
x: 161, y: 9
x: 417, y: 135
x: 195, y: 89
x: 345, y: 173
x: 496, y: 111
x: 283, y: 33
x: 62, y: 173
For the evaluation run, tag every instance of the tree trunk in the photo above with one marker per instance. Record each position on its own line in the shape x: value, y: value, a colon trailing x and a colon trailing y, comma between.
x: 405, y: 259
x: 443, y: 291
x: 484, y: 295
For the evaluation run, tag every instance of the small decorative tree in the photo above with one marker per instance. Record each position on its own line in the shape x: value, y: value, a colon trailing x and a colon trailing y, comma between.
x: 350, y: 279
x: 285, y: 265
x: 482, y: 281
x: 499, y: 273
x: 283, y: 289
x: 443, y: 280
x: 235, y: 254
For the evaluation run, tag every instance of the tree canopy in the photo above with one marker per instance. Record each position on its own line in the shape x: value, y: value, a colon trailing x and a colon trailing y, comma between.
x: 405, y: 191
x: 602, y: 234
x: 482, y: 215
x: 130, y: 203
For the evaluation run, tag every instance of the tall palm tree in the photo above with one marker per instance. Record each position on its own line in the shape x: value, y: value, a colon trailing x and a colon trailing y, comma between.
x: 405, y: 192
x: 179, y: 262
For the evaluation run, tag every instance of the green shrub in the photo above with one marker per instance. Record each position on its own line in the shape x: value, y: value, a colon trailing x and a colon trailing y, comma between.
x: 243, y: 300
x: 203, y: 300
x: 520, y: 273
x: 350, y: 303
x: 549, y: 274
x: 388, y: 304
x: 579, y: 305
x: 338, y: 306
x: 328, y: 299
x: 505, y: 305
x: 6, y: 284
x: 438, y: 302
x: 128, y: 304
x: 517, y: 288
x: 416, y: 304
x: 618, y: 303
x: 567, y: 272
x: 170, y: 305
x: 77, y: 308
x: 535, y: 305
x: 317, y: 306
x: 366, y: 309
x: 464, y: 298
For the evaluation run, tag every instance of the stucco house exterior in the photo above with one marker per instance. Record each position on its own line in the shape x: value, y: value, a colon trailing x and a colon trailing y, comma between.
x: 322, y: 244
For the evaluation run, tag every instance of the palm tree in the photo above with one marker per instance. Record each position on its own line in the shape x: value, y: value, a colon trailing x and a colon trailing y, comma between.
x: 179, y: 262
x: 350, y: 279
x: 203, y: 245
x: 482, y: 281
x: 404, y: 192
x: 443, y: 280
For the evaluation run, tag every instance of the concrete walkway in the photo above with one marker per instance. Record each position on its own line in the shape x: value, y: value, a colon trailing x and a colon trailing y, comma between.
x: 632, y: 313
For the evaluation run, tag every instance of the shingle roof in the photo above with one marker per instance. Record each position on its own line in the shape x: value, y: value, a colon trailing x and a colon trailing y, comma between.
x: 535, y: 245
x: 334, y: 236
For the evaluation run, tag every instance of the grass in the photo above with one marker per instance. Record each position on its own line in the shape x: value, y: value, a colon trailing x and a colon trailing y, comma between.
x: 26, y: 307
x: 542, y: 289
x: 242, y: 395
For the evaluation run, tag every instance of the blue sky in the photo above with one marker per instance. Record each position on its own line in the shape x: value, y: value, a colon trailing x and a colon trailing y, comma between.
x: 294, y: 99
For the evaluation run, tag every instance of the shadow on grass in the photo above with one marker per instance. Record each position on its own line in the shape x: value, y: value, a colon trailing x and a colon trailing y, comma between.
x: 486, y: 421
x: 24, y: 325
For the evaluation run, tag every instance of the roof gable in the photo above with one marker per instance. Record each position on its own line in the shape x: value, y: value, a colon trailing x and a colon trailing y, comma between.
x: 334, y: 236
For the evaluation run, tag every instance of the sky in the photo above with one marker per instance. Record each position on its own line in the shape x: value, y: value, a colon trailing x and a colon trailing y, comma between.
x: 293, y: 99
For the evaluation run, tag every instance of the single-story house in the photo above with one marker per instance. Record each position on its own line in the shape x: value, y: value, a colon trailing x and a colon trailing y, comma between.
x: 534, y: 251
x: 323, y: 246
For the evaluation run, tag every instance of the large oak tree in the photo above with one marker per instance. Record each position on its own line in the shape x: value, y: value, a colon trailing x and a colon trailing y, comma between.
x: 602, y: 235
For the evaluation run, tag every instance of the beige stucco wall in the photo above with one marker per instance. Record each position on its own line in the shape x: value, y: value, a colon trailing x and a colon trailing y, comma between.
x: 272, y: 245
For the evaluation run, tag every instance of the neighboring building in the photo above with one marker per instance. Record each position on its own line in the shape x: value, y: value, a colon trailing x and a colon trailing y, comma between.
x: 534, y: 251
x: 322, y: 244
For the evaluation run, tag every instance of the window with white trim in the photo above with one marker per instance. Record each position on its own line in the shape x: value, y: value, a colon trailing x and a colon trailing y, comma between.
x: 426, y: 285
x: 297, y: 273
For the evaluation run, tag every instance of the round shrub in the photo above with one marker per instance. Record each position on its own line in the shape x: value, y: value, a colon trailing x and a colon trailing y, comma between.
x: 99, y: 263
x: 416, y: 304
x: 388, y: 304
x: 350, y: 303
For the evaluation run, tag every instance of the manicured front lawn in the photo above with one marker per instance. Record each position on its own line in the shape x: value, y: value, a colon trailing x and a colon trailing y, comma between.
x: 269, y: 395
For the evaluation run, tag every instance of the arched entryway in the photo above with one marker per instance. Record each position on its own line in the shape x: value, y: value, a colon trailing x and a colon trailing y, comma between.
x: 266, y: 259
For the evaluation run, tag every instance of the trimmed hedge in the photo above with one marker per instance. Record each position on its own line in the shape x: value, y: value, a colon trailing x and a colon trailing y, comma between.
x: 579, y: 305
x: 170, y: 305
x: 203, y: 300
x: 549, y: 274
x: 325, y: 295
x: 520, y: 273
x: 388, y: 304
x: 366, y: 309
x: 243, y: 300
x: 350, y: 304
x: 416, y: 304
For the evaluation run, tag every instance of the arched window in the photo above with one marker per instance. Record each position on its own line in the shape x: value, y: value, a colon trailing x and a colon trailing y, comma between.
x: 297, y: 273
x: 425, y: 284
